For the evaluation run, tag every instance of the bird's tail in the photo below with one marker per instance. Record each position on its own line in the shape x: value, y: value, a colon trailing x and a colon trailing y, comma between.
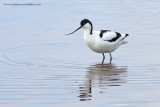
x: 125, y: 35
x: 123, y: 41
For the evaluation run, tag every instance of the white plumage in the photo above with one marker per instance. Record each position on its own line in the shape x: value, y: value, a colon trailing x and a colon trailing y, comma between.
x: 103, y: 41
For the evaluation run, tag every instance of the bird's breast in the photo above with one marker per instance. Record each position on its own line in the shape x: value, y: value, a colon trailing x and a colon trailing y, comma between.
x: 90, y: 40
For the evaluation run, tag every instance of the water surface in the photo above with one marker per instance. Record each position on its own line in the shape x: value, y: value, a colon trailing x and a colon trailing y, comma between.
x: 40, y: 66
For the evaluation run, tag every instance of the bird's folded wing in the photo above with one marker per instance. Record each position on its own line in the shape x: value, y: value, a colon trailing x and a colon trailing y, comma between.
x: 111, y: 36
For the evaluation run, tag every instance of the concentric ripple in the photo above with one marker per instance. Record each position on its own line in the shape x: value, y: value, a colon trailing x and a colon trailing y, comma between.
x: 44, y: 55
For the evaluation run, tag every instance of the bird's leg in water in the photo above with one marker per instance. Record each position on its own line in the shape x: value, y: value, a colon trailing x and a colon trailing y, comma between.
x: 110, y: 58
x: 103, y: 58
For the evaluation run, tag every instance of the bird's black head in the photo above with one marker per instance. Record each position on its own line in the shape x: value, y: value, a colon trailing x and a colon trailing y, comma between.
x: 84, y: 24
x: 85, y: 21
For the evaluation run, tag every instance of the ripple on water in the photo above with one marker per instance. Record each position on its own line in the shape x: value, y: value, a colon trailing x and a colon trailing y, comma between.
x: 46, y: 77
x: 52, y: 56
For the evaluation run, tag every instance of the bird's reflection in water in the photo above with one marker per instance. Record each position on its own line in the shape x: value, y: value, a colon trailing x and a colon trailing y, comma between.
x: 102, y: 77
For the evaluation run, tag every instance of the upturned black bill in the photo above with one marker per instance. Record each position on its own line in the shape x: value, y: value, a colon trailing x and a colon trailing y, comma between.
x: 73, y: 31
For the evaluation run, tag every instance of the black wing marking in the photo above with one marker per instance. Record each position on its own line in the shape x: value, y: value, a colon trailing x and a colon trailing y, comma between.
x: 102, y: 32
x: 115, y: 38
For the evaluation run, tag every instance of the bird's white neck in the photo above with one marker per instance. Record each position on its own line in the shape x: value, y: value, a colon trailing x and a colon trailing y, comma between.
x: 87, y: 31
x: 88, y: 28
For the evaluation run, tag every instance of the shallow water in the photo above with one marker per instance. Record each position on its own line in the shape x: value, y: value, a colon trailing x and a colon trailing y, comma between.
x: 40, y: 66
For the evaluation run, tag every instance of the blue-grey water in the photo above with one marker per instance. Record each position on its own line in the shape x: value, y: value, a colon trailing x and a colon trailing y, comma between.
x: 42, y: 67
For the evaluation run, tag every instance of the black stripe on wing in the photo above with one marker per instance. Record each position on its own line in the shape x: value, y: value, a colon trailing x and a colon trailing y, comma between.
x: 102, y: 32
x: 115, y: 38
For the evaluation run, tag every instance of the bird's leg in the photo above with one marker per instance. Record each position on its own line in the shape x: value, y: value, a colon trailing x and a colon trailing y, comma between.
x: 103, y: 58
x: 110, y: 58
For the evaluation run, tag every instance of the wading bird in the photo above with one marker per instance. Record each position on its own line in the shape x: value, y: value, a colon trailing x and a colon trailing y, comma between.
x: 103, y: 41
